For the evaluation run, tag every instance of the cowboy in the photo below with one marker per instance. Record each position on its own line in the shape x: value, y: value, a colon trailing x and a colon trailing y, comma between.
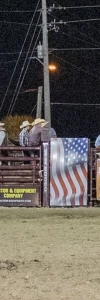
x: 24, y: 137
x: 97, y: 142
x: 35, y: 132
x: 3, y: 141
x: 51, y: 131
x: 3, y: 135
x: 35, y: 135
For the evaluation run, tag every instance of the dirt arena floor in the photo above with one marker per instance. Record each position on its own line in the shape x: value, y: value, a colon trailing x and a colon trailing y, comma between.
x: 49, y: 254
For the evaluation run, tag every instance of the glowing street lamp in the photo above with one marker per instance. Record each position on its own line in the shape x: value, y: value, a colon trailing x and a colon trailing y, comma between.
x: 52, y: 67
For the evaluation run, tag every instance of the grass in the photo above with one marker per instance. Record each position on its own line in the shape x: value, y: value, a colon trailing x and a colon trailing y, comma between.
x: 49, y: 253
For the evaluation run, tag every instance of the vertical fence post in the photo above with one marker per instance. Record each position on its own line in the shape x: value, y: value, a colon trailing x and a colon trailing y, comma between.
x: 46, y: 171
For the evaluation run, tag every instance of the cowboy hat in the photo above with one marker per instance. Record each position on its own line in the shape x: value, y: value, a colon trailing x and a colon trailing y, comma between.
x: 2, y: 124
x: 38, y: 121
x: 45, y: 123
x: 24, y: 124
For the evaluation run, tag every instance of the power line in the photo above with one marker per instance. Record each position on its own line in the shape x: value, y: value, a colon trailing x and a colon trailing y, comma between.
x: 78, y: 38
x: 55, y: 49
x: 75, y: 104
x: 51, y: 49
x: 80, y: 49
x: 10, y: 61
x: 16, y: 11
x: 12, y: 53
x: 78, y: 68
x: 33, y: 109
x: 19, y: 56
x: 57, y: 8
x: 74, y: 49
x: 90, y: 38
x: 74, y: 21
x: 72, y: 29
x: 73, y: 7
x: 19, y: 84
x: 17, y: 23
x: 96, y: 43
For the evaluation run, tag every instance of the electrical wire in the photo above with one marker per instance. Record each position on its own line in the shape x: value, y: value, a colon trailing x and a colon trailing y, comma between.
x: 56, y: 49
x: 93, y: 41
x: 89, y: 25
x: 72, y: 7
x: 16, y: 11
x: 19, y: 56
x: 78, y: 68
x: 96, y: 43
x: 12, y: 53
x: 82, y: 48
x: 25, y: 72
x: 16, y: 23
x: 75, y: 104
x: 75, y: 21
x: 89, y: 38
x: 19, y: 84
x: 33, y: 109
x: 10, y: 61
x: 15, y: 95
x: 97, y: 29
x: 74, y: 49
x: 77, y: 48
x: 83, y: 33
x: 56, y: 8
x: 75, y: 38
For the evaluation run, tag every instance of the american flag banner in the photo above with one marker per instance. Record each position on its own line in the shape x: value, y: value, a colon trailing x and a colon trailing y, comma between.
x: 68, y: 172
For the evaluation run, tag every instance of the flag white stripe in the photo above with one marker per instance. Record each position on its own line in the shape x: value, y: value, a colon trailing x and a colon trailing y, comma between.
x: 52, y: 195
x: 84, y: 181
x: 54, y: 170
x: 77, y: 186
x: 62, y: 171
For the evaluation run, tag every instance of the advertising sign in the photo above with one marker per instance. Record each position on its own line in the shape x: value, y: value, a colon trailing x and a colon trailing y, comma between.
x: 46, y: 187
x: 20, y: 196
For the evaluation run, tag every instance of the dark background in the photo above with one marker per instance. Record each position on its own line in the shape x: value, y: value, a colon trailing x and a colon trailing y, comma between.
x: 75, y: 86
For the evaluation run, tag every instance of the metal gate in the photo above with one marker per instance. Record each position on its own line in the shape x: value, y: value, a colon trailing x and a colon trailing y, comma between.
x: 95, y: 176
x: 69, y: 172
x: 20, y: 176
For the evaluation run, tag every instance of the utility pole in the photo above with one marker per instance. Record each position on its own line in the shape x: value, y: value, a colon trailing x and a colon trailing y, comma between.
x: 39, y: 102
x: 47, y: 110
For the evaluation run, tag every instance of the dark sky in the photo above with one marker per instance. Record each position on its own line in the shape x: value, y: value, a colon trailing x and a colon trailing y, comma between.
x: 75, y: 87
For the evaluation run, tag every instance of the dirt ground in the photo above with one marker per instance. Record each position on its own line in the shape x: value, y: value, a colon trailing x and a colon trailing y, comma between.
x: 49, y: 254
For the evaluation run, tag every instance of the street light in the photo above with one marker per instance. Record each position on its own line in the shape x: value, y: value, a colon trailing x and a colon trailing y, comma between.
x: 52, y: 67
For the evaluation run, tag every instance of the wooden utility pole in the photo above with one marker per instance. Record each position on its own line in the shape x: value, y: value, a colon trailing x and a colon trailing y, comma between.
x: 47, y: 110
x: 39, y: 102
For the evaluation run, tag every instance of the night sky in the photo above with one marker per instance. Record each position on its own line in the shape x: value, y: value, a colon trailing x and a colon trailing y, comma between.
x: 75, y: 86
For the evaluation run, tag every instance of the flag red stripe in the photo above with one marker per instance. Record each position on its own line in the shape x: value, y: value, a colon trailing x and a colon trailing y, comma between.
x: 55, y: 188
x: 84, y: 171
x: 59, y: 174
x: 82, y: 189
x: 69, y: 178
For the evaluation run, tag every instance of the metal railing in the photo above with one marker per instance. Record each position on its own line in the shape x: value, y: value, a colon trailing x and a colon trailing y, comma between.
x: 18, y: 171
